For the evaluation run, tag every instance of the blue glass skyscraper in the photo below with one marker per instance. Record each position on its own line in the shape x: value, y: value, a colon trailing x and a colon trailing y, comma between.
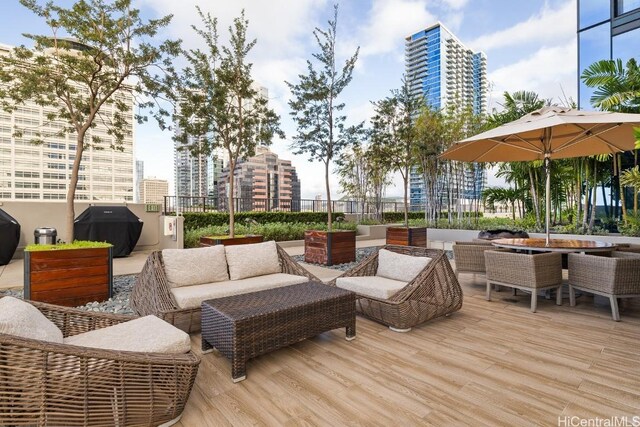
x: 440, y: 68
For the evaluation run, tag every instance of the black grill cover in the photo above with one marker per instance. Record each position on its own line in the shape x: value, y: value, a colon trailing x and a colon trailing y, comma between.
x: 9, y: 237
x: 114, y: 224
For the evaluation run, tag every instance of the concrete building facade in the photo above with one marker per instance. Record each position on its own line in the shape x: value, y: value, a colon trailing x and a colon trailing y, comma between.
x: 42, y: 172
x: 153, y: 190
x: 262, y: 182
x: 439, y: 67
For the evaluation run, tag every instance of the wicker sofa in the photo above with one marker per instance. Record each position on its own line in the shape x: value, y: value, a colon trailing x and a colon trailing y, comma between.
x: 433, y: 292
x: 614, y: 277
x: 240, y: 269
x: 53, y: 383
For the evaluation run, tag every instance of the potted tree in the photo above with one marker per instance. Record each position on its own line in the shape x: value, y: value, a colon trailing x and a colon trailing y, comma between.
x: 394, y: 129
x: 103, y: 59
x: 69, y: 274
x: 219, y: 107
x: 322, y: 135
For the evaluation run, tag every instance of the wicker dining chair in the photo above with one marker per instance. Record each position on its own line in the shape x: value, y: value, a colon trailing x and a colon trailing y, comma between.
x: 469, y: 256
x: 44, y: 383
x: 434, y: 292
x: 151, y: 293
x: 614, y: 277
x: 531, y: 273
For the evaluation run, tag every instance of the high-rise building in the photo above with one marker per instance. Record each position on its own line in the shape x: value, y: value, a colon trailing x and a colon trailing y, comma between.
x: 198, y: 175
x: 153, y: 190
x: 447, y: 73
x: 262, y: 182
x: 606, y: 30
x: 138, y: 181
x: 42, y: 172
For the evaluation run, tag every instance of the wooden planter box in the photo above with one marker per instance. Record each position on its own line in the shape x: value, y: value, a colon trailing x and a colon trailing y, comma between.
x: 68, y: 277
x: 210, y: 241
x: 322, y: 247
x: 411, y: 236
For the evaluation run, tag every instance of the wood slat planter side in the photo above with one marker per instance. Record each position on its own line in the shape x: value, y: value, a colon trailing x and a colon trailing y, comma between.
x: 69, y: 277
x: 322, y: 247
x: 403, y: 236
x: 210, y: 241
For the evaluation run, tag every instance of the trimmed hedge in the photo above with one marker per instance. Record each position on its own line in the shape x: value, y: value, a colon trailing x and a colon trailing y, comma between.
x: 399, y: 216
x: 278, y: 231
x: 193, y: 220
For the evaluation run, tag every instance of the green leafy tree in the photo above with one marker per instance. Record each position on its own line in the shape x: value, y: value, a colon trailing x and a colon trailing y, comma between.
x: 430, y: 128
x: 354, y: 172
x: 617, y: 89
x: 218, y: 104
x: 393, y: 127
x: 321, y: 130
x: 493, y: 195
x: 98, y: 52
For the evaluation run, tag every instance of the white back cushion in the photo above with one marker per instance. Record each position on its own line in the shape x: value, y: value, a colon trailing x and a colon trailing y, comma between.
x: 400, y: 267
x: 24, y: 320
x: 251, y: 260
x: 186, y: 267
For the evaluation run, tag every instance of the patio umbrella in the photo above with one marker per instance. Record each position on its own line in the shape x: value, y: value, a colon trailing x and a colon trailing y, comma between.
x: 550, y: 133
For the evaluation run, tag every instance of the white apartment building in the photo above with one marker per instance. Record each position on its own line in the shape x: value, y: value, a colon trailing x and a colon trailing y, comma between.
x: 153, y: 190
x: 42, y: 172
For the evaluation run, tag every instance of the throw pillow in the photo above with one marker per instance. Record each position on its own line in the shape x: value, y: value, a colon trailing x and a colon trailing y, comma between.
x: 21, y: 319
x: 186, y: 267
x: 400, y: 267
x: 251, y: 260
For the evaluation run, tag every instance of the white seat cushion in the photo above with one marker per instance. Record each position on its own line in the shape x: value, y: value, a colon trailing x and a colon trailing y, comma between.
x: 400, y: 267
x: 21, y: 319
x: 192, y: 296
x: 186, y: 267
x: 371, y: 286
x: 256, y: 259
x: 147, y: 334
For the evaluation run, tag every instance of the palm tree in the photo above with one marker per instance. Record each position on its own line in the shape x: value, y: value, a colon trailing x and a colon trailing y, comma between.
x: 617, y: 86
x: 492, y: 195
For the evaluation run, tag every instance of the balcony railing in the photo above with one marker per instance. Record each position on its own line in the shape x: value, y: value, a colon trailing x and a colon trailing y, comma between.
x: 174, y: 204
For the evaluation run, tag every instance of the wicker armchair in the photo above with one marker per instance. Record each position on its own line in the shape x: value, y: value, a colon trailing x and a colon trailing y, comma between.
x: 151, y: 293
x: 45, y: 383
x: 469, y: 256
x: 615, y: 277
x: 434, y: 292
x: 531, y: 273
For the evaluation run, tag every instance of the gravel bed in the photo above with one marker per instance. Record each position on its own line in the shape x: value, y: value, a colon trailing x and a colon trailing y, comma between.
x: 119, y: 303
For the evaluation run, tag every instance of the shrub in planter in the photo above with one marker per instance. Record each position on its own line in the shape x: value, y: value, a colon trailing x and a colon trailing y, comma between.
x: 69, y: 274
x: 193, y: 220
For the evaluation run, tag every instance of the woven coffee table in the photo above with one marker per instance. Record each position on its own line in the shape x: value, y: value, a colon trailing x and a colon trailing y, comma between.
x: 244, y: 326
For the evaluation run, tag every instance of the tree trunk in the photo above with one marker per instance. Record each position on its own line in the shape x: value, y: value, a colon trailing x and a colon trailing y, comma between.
x: 604, y: 199
x: 635, y: 189
x: 405, y: 179
x: 232, y: 223
x: 73, y: 184
x: 592, y: 219
x: 326, y: 182
x: 623, y: 203
x: 534, y: 196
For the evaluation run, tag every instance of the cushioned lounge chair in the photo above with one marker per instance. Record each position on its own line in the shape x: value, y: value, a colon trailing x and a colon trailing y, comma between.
x: 47, y: 383
x: 434, y: 292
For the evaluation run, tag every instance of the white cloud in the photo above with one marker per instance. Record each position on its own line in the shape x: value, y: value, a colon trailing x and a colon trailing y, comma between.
x: 389, y: 22
x: 548, y: 72
x: 548, y: 26
x: 454, y: 4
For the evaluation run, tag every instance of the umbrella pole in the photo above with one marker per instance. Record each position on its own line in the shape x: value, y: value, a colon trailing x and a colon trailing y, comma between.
x: 547, y: 213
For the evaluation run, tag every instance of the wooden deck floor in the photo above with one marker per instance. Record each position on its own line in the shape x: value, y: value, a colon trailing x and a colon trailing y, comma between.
x: 492, y: 363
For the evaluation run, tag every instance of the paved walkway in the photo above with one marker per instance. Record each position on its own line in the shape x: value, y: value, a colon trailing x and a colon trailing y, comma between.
x: 12, y: 274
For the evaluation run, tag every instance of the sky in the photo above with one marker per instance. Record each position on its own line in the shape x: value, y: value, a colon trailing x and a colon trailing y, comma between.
x: 530, y: 45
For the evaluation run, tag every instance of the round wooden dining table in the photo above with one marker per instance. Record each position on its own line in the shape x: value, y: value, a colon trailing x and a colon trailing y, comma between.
x: 555, y: 245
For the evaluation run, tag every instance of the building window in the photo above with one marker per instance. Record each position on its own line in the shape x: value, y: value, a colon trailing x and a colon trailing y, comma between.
x: 591, y: 12
x: 624, y: 6
x: 593, y: 45
x: 625, y: 45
